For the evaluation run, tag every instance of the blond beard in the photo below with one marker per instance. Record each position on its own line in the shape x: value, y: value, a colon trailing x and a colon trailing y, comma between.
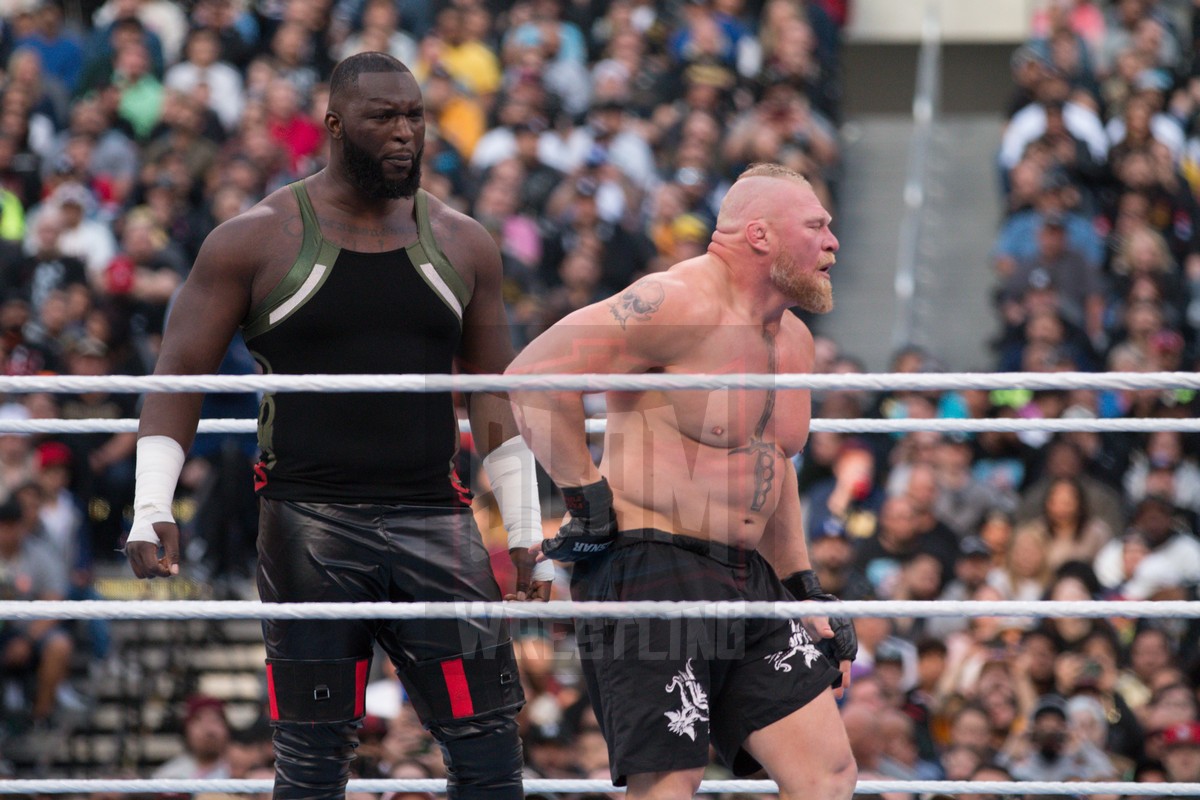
x: 812, y: 292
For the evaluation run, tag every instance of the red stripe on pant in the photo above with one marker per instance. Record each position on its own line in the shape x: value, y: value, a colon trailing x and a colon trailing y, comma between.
x: 360, y: 687
x: 271, y: 694
x: 361, y: 668
x: 457, y: 688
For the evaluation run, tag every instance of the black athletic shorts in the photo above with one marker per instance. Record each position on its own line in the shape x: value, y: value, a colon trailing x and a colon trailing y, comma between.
x: 665, y: 689
x: 331, y: 552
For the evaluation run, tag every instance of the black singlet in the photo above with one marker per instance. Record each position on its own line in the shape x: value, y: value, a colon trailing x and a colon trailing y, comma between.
x: 345, y: 312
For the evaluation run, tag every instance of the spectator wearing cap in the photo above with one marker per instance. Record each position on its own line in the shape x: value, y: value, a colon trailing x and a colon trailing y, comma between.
x: 29, y: 570
x: 577, y: 222
x: 1181, y: 752
x: 608, y: 131
x: 1172, y: 559
x: 1078, y: 284
x: 832, y: 556
x: 1047, y: 752
x: 1017, y: 239
x: 59, y: 510
x: 205, y: 743
x: 82, y: 237
x: 971, y: 570
x: 962, y: 500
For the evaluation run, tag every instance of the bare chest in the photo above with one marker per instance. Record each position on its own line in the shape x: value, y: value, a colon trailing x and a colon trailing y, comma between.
x: 732, y: 419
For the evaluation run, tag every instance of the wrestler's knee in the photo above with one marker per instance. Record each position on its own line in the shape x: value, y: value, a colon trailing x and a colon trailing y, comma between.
x: 312, y: 760
x: 836, y: 781
x: 483, y: 755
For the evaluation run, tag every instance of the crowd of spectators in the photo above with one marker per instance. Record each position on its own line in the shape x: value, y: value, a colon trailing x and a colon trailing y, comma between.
x: 595, y: 140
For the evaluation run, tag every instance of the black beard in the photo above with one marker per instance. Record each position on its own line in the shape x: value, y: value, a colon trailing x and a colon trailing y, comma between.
x: 366, y: 173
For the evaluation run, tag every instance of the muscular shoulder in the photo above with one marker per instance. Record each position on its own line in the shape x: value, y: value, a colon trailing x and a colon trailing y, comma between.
x: 677, y: 297
x: 464, y: 240
x: 275, y: 218
x: 799, y: 339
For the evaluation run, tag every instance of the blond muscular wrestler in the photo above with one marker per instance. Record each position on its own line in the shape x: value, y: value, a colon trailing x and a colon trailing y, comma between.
x: 696, y: 499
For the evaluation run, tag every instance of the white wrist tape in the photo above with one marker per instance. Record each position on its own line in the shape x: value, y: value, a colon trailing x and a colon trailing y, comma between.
x: 512, y: 471
x: 159, y: 462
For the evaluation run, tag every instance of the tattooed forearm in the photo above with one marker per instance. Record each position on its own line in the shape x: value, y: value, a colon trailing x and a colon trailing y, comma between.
x: 639, y: 302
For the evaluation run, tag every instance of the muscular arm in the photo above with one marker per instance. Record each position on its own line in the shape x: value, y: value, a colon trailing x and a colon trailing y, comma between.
x: 646, y: 326
x: 487, y: 348
x: 486, y: 342
x: 207, y: 311
x: 212, y: 302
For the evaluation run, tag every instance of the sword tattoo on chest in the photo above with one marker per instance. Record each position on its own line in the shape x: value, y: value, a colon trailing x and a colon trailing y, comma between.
x: 763, y: 452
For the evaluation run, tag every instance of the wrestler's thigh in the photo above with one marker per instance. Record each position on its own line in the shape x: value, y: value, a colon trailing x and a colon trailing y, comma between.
x: 806, y: 747
x: 318, y: 552
x: 438, y: 555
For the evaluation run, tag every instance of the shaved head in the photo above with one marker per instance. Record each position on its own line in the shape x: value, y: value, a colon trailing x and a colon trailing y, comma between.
x: 750, y: 196
x: 772, y: 206
x: 344, y: 80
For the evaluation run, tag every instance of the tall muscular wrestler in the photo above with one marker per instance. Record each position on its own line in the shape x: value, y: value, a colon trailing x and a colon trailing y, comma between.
x: 696, y: 499
x: 357, y: 270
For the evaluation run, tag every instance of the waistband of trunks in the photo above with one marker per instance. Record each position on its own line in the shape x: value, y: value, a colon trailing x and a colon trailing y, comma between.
x: 722, y: 553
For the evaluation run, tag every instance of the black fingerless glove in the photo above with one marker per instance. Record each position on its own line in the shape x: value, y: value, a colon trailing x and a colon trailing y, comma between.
x: 592, y: 528
x: 844, y: 645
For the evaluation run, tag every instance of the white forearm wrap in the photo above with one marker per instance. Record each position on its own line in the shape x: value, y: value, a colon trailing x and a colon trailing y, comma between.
x: 512, y: 471
x: 159, y: 462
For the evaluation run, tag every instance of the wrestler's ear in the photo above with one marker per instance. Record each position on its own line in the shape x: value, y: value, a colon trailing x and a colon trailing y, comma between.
x: 757, y: 235
x: 333, y: 124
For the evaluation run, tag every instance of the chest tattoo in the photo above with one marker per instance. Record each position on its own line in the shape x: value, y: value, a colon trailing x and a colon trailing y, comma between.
x: 763, y: 451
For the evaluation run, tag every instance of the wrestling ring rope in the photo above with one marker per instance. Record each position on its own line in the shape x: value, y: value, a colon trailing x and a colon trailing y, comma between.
x: 183, y: 609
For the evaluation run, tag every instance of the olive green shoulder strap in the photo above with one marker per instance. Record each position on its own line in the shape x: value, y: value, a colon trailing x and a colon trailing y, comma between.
x: 431, y: 263
x: 307, y: 274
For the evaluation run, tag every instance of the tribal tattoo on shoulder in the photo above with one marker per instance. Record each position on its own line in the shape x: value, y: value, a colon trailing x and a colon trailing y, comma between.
x: 763, y: 451
x: 638, y: 302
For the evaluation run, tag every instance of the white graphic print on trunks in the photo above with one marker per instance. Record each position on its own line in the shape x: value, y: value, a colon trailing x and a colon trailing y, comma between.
x: 799, y: 643
x: 695, y: 703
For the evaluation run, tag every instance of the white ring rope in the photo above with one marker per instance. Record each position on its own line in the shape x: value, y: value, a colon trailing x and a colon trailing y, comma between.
x: 567, y: 609
x: 881, y: 382
x: 230, y: 786
x: 854, y: 425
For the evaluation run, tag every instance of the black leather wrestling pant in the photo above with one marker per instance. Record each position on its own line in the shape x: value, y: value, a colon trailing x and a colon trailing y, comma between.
x: 309, y: 552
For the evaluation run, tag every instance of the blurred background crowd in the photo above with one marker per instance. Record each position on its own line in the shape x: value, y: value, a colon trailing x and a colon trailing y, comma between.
x: 595, y: 140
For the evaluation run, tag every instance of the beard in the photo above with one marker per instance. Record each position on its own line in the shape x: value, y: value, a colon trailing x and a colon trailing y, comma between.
x: 811, y: 291
x: 366, y: 173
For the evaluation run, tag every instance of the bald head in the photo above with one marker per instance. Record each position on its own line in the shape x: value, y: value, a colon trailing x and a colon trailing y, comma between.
x: 755, y: 195
x: 344, y: 80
